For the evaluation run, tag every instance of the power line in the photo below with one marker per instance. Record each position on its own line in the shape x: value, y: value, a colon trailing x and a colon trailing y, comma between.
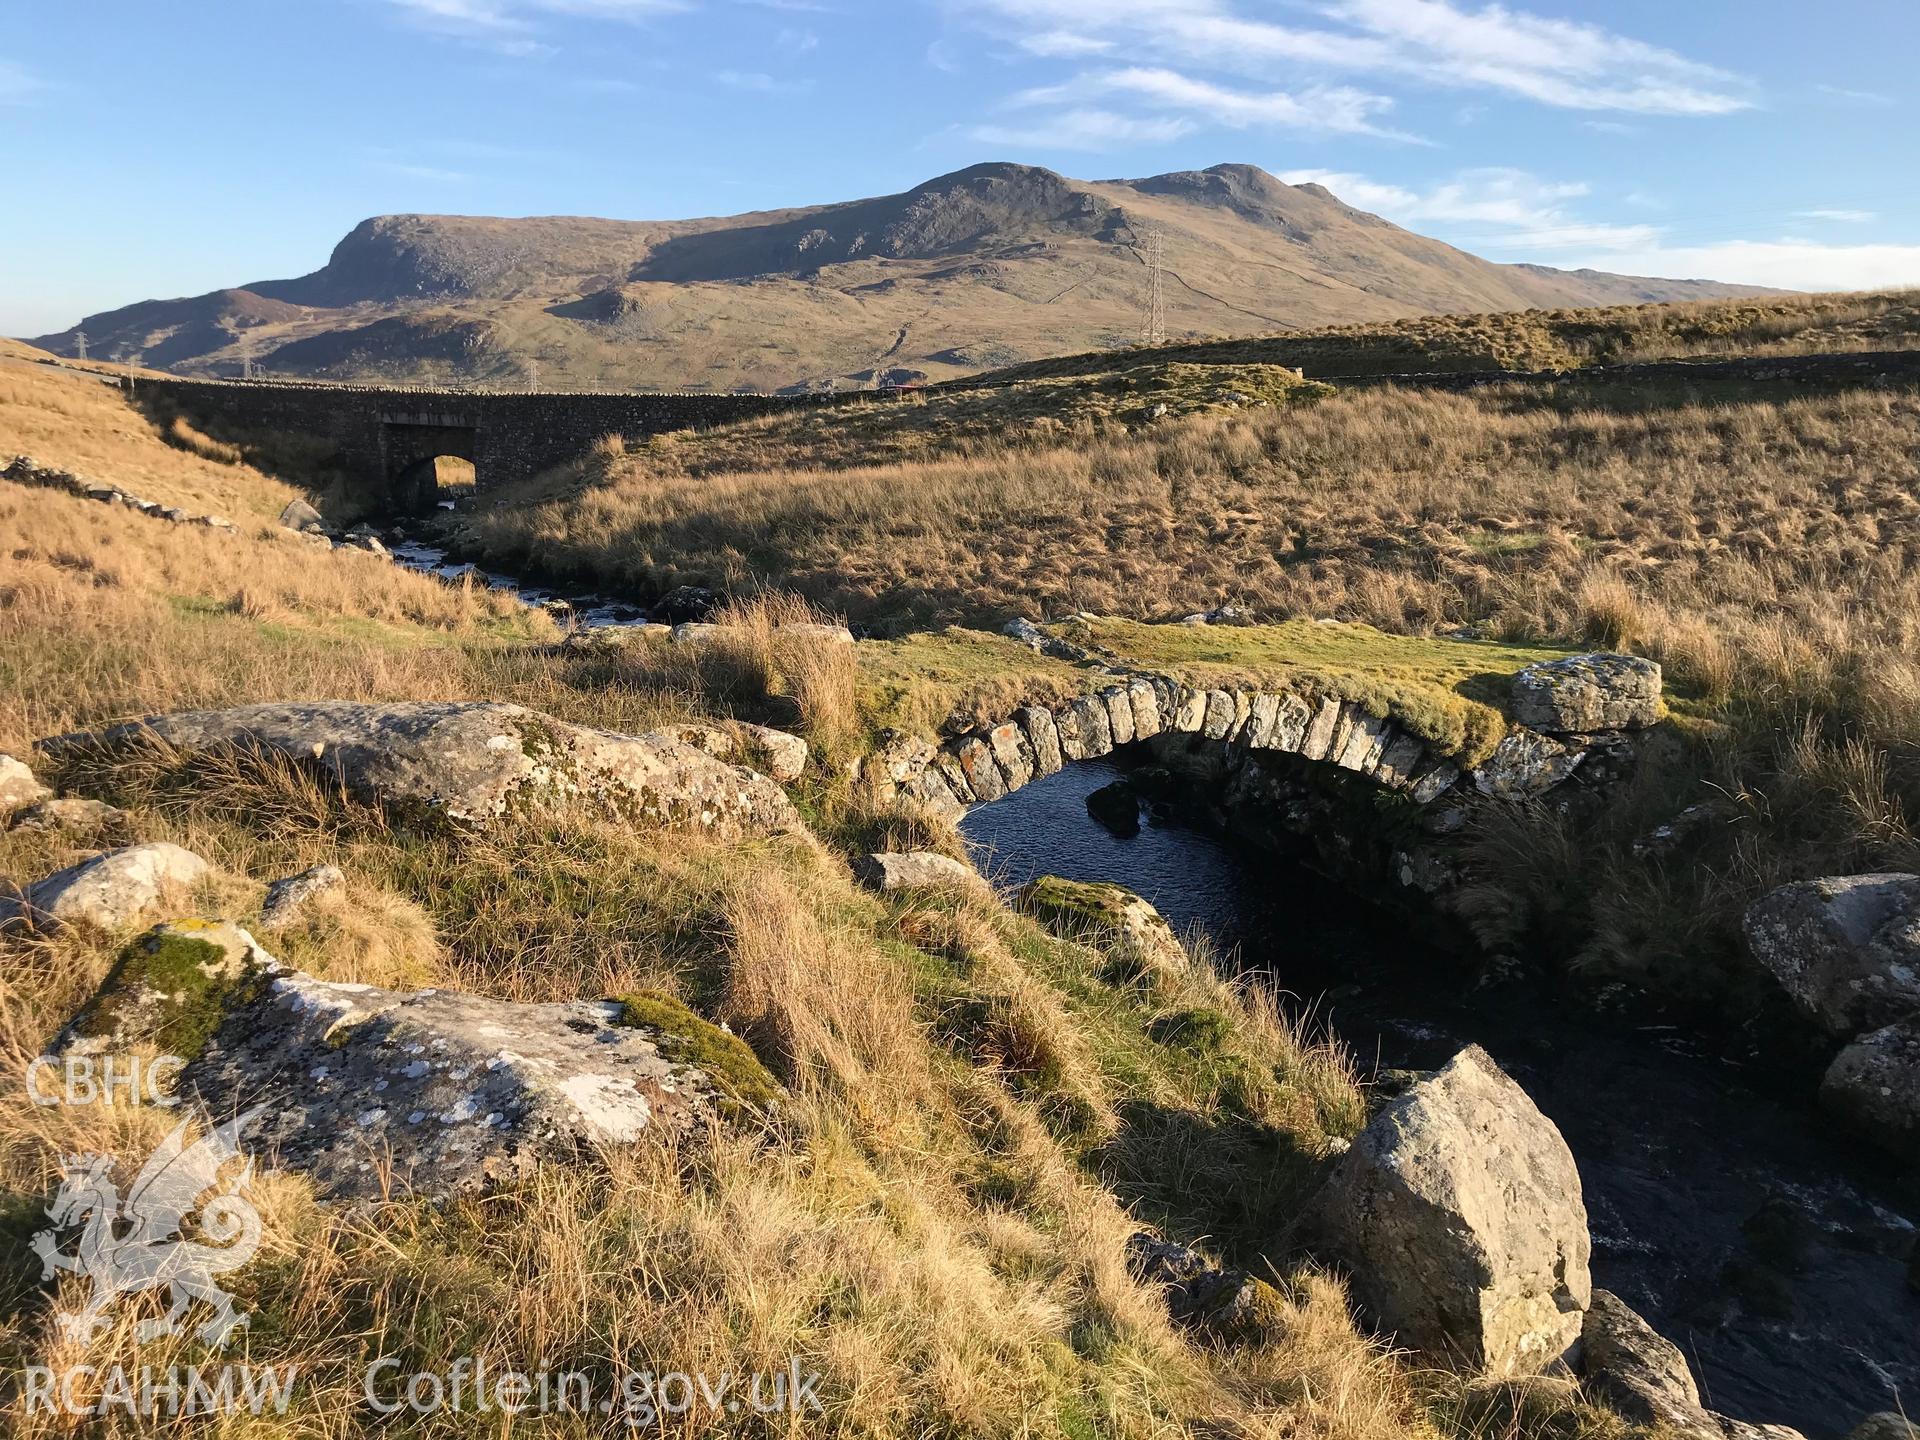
x: 1153, y: 251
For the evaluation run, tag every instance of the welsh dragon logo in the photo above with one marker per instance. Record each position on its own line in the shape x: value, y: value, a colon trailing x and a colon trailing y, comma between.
x: 139, y: 1243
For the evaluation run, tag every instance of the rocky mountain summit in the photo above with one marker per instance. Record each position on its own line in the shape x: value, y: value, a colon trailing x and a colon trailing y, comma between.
x: 981, y: 268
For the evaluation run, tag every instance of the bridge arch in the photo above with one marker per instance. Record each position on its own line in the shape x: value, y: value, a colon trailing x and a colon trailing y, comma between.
x: 992, y: 761
x: 412, y: 441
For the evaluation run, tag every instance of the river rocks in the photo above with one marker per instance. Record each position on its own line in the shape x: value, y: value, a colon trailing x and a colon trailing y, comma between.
x: 685, y: 603
x: 1225, y: 1303
x: 1585, y: 693
x: 1117, y: 807
x: 375, y: 1092
x: 1846, y: 949
x: 108, y: 892
x: 694, y: 632
x: 781, y: 755
x: 890, y: 871
x: 1108, y: 915
x: 1636, y: 1372
x: 1873, y: 1088
x: 18, y: 787
x: 474, y: 762
x: 287, y: 898
x: 814, y: 630
x: 1524, y: 764
x: 1458, y: 1212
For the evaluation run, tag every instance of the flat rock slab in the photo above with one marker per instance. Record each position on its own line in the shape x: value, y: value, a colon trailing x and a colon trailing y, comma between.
x: 1585, y: 693
x: 108, y: 892
x: 475, y: 761
x: 374, y: 1092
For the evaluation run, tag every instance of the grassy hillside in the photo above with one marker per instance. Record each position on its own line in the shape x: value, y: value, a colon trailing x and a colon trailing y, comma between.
x: 980, y: 1112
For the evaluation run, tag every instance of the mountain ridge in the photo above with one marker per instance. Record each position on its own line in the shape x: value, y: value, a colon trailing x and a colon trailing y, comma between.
x: 999, y: 258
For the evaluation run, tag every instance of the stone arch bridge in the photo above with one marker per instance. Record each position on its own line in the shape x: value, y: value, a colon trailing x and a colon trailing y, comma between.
x: 1571, y: 733
x: 387, y: 439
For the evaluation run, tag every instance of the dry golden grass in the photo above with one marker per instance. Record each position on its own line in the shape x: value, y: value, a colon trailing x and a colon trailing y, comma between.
x: 1762, y: 546
x: 936, y: 1220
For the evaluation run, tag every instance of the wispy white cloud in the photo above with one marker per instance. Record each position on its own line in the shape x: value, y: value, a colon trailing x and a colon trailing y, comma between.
x: 18, y: 85
x: 1057, y: 44
x: 1334, y: 109
x: 1788, y: 264
x: 760, y: 82
x: 1841, y: 217
x: 1084, y: 129
x: 1854, y: 97
x: 1502, y: 209
x: 1564, y: 63
x: 434, y: 174
x: 512, y: 27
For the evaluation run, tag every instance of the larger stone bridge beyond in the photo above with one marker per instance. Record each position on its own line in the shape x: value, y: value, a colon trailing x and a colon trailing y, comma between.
x: 387, y: 439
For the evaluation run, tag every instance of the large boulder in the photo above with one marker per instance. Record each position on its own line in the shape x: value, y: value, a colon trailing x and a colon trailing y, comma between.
x: 108, y: 892
x: 1584, y: 693
x: 1885, y: 1425
x: 1458, y: 1214
x: 1637, y: 1372
x: 75, y: 817
x: 432, y: 1093
x: 474, y: 761
x: 18, y: 787
x: 1873, y: 1088
x: 1845, y: 948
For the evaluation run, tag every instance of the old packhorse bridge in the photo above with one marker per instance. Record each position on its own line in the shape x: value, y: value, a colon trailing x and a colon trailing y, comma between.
x: 389, y: 439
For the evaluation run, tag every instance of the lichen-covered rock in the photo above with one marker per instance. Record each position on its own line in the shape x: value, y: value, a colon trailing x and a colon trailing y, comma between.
x: 1225, y: 1303
x: 375, y: 1092
x: 474, y: 762
x: 287, y: 898
x: 1458, y: 1212
x: 1873, y: 1088
x: 780, y: 754
x: 1584, y: 693
x: 74, y: 816
x: 889, y: 871
x: 18, y: 787
x: 110, y: 891
x: 1845, y: 948
x: 1109, y: 915
x: 1523, y: 764
x: 1636, y: 1371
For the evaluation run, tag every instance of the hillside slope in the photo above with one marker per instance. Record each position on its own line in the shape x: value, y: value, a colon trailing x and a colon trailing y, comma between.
x: 988, y: 266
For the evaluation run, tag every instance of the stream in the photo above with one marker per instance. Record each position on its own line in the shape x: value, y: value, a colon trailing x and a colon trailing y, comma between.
x: 1722, y: 1209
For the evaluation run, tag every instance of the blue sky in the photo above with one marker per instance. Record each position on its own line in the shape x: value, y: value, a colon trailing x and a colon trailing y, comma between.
x: 154, y: 149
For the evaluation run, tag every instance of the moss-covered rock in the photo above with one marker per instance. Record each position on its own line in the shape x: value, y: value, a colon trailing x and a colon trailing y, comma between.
x: 171, y: 989
x: 684, y: 1036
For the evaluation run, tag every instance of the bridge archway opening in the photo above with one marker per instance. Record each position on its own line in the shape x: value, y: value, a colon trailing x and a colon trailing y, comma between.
x: 428, y: 460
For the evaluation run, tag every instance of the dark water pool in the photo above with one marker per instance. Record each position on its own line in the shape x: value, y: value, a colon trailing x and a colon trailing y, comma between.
x: 1728, y: 1215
